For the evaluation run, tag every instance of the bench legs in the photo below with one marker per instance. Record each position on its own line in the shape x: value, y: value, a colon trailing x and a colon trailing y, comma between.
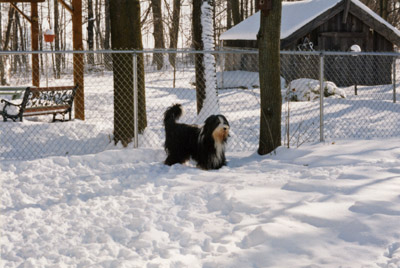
x: 63, y: 116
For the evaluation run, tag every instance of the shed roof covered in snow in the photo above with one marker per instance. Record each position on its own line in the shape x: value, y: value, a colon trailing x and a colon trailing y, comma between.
x: 299, y: 18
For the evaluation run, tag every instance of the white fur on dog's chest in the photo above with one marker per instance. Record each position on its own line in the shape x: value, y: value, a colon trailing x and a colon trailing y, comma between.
x: 219, y: 153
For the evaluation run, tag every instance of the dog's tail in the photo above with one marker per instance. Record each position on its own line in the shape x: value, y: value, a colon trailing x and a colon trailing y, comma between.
x: 172, y: 114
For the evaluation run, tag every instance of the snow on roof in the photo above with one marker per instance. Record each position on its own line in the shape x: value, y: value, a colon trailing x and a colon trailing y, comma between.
x: 294, y: 16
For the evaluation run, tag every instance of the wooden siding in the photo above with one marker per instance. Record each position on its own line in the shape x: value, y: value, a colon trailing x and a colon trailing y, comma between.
x: 338, y: 33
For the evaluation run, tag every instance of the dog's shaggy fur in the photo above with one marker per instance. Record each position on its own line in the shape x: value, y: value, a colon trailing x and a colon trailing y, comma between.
x: 205, y: 144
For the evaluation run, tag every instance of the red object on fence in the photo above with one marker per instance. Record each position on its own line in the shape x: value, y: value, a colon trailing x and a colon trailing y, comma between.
x: 49, y: 36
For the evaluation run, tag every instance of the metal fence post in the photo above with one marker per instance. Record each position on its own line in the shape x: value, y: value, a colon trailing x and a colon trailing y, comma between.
x: 321, y: 98
x: 394, y: 80
x: 222, y: 64
x: 135, y: 101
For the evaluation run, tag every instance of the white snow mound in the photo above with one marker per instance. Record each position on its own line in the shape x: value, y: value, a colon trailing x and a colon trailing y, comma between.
x: 305, y: 89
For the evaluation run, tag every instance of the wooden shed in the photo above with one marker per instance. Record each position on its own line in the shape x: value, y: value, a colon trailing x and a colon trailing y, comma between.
x: 325, y: 25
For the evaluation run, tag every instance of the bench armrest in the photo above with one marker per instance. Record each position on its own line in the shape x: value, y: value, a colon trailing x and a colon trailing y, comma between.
x: 9, y: 103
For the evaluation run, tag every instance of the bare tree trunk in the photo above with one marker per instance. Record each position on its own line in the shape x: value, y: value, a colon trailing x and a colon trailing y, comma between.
x: 24, y: 43
x: 269, y: 72
x: 126, y: 34
x: 6, y: 42
x: 8, y: 30
x: 90, y: 32
x: 241, y: 10
x: 57, y: 73
x: 2, y: 74
x: 236, y: 11
x: 256, y: 6
x: 174, y: 30
x: 158, y: 32
x: 204, y: 39
x: 63, y: 35
x: 14, y: 45
x: 383, y: 9
x: 229, y: 14
x: 99, y: 37
x: 1, y: 25
x: 41, y: 45
x: 173, y: 34
x: 199, y: 57
x: 22, y: 62
x: 107, y: 33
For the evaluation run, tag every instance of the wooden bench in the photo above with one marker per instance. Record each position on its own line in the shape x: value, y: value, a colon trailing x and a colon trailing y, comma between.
x: 42, y: 101
x: 14, y: 91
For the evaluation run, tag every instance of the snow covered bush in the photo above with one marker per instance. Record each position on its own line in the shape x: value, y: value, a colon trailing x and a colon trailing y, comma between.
x: 305, y: 89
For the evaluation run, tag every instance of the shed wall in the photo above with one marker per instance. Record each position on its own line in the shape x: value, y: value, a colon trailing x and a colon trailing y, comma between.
x: 333, y: 35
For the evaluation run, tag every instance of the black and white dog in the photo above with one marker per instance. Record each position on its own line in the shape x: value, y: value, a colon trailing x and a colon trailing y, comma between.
x: 204, y: 144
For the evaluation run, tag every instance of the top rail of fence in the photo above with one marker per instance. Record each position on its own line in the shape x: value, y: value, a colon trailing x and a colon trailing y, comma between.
x: 183, y: 51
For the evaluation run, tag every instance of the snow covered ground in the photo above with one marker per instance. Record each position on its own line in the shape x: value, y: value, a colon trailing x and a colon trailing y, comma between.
x: 88, y: 203
x: 320, y: 205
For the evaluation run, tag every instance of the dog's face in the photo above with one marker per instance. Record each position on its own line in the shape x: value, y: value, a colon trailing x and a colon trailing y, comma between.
x: 218, y: 127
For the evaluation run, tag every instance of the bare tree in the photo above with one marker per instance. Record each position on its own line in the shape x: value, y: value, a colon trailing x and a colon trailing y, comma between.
x: 57, y: 69
x: 383, y: 8
x: 198, y: 45
x: 174, y: 30
x: 5, y: 44
x: 126, y: 34
x: 7, y: 34
x: 236, y: 16
x: 229, y: 14
x: 1, y: 25
x: 158, y: 32
x: 204, y: 39
x: 269, y: 72
x: 90, y: 32
x: 2, y: 82
x: 98, y: 29
x: 107, y: 34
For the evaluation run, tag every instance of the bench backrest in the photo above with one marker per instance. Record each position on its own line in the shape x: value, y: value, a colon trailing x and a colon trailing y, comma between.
x: 49, y: 96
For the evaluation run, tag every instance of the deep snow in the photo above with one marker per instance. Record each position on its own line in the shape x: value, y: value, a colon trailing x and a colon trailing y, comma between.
x: 320, y: 205
x: 88, y: 203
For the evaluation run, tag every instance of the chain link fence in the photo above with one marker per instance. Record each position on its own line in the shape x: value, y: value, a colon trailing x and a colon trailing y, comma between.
x: 127, y: 92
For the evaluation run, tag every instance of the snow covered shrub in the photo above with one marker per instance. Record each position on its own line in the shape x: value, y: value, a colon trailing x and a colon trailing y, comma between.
x: 305, y: 89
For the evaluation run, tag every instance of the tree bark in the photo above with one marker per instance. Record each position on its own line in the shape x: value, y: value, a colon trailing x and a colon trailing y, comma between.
x: 98, y: 31
x: 126, y: 34
x: 269, y: 72
x: 7, y: 35
x: 174, y: 30
x: 57, y: 73
x: 158, y: 33
x: 236, y: 17
x: 383, y: 9
x: 14, y: 45
x: 256, y: 6
x: 107, y: 34
x: 8, y: 30
x: 199, y: 57
x: 1, y: 25
x: 2, y: 74
x: 90, y: 32
x: 229, y: 14
x: 206, y: 83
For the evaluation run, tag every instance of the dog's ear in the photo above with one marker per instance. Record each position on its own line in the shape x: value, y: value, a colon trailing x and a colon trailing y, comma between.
x: 209, y: 124
x: 225, y: 121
